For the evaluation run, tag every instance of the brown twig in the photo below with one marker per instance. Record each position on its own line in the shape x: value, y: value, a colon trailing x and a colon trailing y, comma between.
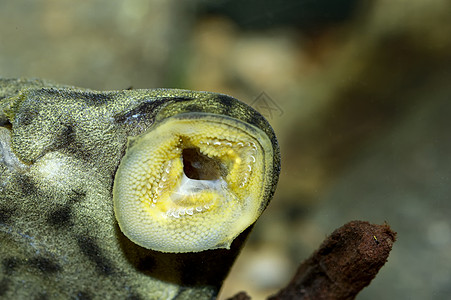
x: 240, y: 296
x: 344, y: 264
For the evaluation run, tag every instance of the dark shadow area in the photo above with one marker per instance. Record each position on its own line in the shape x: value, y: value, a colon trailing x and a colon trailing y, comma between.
x: 207, y: 268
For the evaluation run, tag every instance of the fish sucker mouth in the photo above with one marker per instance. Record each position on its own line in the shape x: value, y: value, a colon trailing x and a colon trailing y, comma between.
x: 192, y: 182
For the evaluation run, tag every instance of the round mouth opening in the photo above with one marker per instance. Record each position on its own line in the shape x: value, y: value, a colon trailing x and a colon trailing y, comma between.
x: 199, y: 166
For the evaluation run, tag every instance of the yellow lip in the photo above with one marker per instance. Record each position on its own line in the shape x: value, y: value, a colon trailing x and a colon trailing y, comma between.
x: 193, y: 182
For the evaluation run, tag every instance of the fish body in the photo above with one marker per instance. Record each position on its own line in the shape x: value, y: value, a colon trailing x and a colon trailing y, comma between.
x: 60, y: 151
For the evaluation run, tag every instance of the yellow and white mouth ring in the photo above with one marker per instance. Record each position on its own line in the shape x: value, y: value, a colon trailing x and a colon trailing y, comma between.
x: 194, y: 182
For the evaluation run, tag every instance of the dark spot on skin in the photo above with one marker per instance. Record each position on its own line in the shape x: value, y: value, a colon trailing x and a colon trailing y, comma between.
x: 92, y: 251
x: 68, y: 133
x: 45, y: 265
x: 83, y: 295
x: 60, y: 217
x: 5, y: 214
x: 68, y: 142
x: 143, y: 112
x: 26, y: 116
x: 146, y: 263
x: 27, y: 185
x: 4, y: 286
x: 228, y: 104
x: 9, y: 265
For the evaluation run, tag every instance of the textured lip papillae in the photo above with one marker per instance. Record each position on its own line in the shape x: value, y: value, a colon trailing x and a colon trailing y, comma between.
x: 193, y: 182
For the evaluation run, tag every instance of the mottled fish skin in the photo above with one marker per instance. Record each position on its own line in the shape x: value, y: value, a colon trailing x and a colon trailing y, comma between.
x: 60, y: 147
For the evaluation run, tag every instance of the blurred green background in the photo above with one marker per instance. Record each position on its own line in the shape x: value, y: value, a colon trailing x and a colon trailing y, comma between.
x: 358, y: 92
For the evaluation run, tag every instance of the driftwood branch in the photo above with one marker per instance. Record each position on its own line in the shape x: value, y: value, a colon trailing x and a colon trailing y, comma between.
x: 345, y: 263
